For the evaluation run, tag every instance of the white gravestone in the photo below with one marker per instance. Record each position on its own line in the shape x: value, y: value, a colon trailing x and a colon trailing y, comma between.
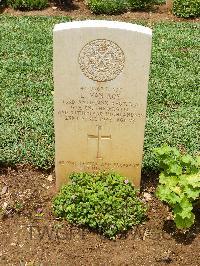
x: 101, y: 72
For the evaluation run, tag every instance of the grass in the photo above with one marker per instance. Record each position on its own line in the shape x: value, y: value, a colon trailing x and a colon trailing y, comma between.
x: 159, y: 2
x: 26, y: 87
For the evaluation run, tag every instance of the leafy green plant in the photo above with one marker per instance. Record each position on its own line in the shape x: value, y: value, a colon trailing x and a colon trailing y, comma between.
x: 117, y: 6
x: 186, y: 8
x: 18, y: 206
x: 179, y: 184
x: 159, y: 2
x: 139, y: 4
x: 107, y: 6
x: 106, y: 202
x: 28, y: 4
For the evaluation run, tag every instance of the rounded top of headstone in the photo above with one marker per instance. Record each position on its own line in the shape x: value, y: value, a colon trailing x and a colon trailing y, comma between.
x: 103, y: 24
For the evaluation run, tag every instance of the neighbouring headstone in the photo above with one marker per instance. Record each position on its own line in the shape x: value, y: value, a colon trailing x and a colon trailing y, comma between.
x: 101, y: 72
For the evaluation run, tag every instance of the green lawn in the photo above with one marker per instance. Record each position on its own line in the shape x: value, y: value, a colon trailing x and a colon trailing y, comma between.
x: 26, y: 87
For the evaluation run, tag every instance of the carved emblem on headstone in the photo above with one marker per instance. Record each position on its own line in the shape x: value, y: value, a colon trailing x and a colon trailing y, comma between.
x: 99, y: 137
x: 101, y: 60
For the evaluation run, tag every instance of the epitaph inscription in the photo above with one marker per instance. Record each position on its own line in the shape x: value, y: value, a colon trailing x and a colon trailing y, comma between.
x: 101, y: 60
x: 99, y: 165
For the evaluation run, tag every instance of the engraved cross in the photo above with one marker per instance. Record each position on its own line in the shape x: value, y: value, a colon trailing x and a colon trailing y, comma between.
x: 99, y: 137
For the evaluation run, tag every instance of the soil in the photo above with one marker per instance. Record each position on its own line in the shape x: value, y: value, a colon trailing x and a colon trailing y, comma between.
x: 31, y: 235
x: 78, y: 10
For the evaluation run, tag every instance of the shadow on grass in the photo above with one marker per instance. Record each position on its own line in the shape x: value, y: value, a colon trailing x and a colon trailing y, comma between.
x: 5, y: 168
x: 2, y: 6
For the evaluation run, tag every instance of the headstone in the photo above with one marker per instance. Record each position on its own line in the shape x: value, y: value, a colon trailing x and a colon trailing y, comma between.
x: 101, y: 71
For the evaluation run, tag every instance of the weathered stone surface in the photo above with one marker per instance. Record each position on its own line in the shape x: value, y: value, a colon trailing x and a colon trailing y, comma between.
x: 101, y: 71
